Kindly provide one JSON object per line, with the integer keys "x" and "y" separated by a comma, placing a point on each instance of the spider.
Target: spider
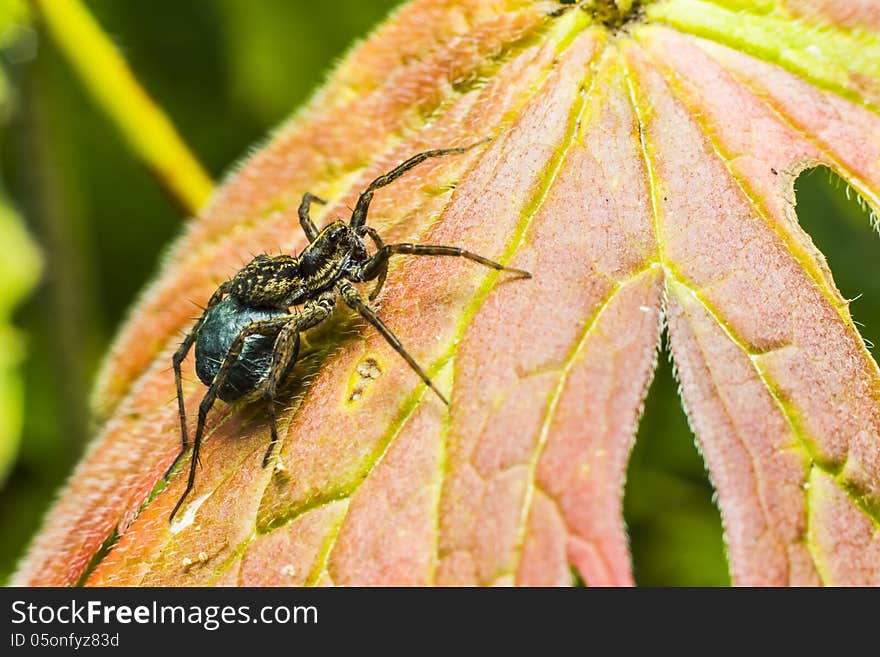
{"x": 247, "y": 339}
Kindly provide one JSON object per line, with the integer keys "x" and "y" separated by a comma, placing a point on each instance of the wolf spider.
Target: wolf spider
{"x": 247, "y": 339}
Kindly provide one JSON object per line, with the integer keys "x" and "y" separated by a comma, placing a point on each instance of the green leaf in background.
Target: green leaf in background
{"x": 13, "y": 14}
{"x": 19, "y": 271}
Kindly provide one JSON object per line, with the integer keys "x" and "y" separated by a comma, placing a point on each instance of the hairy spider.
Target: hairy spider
{"x": 247, "y": 339}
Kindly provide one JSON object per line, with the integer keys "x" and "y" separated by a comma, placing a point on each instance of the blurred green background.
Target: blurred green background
{"x": 227, "y": 72}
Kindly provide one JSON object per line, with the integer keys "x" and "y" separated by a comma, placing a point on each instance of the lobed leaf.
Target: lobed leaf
{"x": 639, "y": 173}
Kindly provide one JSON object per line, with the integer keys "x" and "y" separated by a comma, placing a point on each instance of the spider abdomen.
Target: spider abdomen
{"x": 221, "y": 327}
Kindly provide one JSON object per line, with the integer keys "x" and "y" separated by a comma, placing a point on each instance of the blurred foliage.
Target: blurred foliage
{"x": 227, "y": 72}
{"x": 19, "y": 262}
{"x": 114, "y": 88}
{"x": 19, "y": 269}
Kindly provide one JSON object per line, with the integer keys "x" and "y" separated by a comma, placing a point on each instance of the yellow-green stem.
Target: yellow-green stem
{"x": 103, "y": 71}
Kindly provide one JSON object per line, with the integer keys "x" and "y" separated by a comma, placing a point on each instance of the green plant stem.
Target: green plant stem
{"x": 109, "y": 80}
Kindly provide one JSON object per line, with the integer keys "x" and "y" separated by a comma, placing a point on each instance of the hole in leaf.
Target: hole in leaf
{"x": 674, "y": 526}
{"x": 840, "y": 225}
{"x": 367, "y": 371}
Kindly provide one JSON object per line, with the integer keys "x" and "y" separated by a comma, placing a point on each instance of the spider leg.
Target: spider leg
{"x": 266, "y": 327}
{"x": 177, "y": 360}
{"x": 205, "y": 406}
{"x": 286, "y": 351}
{"x": 377, "y": 265}
{"x": 305, "y": 220}
{"x": 382, "y": 269}
{"x": 284, "y": 354}
{"x": 356, "y": 302}
{"x": 359, "y": 215}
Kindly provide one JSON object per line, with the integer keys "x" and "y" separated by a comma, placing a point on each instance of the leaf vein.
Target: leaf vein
{"x": 590, "y": 328}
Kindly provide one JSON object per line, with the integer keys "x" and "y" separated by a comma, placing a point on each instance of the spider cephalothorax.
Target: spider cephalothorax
{"x": 247, "y": 339}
